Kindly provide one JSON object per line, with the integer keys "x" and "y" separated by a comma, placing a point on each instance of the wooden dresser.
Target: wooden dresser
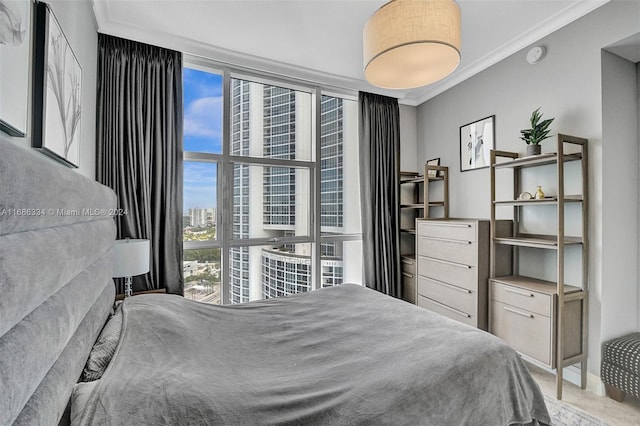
{"x": 453, "y": 268}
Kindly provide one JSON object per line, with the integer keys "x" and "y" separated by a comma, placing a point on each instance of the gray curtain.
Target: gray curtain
{"x": 139, "y": 150}
{"x": 379, "y": 171}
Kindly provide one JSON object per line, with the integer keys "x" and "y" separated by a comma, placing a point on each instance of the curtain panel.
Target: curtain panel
{"x": 139, "y": 150}
{"x": 379, "y": 171}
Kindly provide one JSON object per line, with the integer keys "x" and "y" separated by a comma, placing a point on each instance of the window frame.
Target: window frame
{"x": 225, "y": 163}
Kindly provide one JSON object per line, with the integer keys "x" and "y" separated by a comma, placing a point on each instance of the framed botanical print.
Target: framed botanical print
{"x": 15, "y": 43}
{"x": 57, "y": 104}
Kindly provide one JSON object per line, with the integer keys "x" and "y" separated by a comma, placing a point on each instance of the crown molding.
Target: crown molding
{"x": 414, "y": 97}
{"x": 572, "y": 12}
{"x": 201, "y": 52}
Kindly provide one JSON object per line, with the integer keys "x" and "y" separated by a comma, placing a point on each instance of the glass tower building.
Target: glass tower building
{"x": 265, "y": 123}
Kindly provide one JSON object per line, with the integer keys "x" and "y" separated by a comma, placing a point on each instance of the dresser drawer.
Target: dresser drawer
{"x": 522, "y": 298}
{"x": 449, "y": 272}
{"x": 527, "y": 332}
{"x": 447, "y": 311}
{"x": 458, "y": 251}
{"x": 463, "y": 231}
{"x": 409, "y": 287}
{"x": 455, "y": 297}
{"x": 408, "y": 265}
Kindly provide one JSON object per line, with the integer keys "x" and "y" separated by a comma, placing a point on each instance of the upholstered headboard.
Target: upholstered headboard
{"x": 56, "y": 291}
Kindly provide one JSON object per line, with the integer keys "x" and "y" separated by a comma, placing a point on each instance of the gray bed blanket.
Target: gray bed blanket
{"x": 345, "y": 355}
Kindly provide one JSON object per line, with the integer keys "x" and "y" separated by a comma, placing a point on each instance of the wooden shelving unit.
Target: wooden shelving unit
{"x": 546, "y": 321}
{"x": 441, "y": 175}
{"x": 416, "y": 201}
{"x": 411, "y": 207}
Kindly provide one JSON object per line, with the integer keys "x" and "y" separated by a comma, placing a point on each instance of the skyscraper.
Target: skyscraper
{"x": 274, "y": 122}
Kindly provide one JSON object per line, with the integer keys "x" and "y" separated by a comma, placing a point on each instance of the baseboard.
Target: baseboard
{"x": 572, "y": 375}
{"x": 595, "y": 385}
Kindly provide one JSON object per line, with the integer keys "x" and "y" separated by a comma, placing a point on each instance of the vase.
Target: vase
{"x": 534, "y": 150}
{"x": 539, "y": 194}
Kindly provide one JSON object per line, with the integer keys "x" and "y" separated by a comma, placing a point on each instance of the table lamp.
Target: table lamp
{"x": 132, "y": 258}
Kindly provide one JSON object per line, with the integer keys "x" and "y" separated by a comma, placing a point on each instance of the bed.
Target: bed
{"x": 342, "y": 355}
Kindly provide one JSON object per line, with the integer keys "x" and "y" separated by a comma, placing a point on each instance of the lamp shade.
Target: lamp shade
{"x": 411, "y": 43}
{"x": 132, "y": 257}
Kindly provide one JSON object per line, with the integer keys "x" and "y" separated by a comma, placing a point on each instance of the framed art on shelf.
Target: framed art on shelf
{"x": 15, "y": 43}
{"x": 56, "y": 91}
{"x": 433, "y": 173}
{"x": 477, "y": 139}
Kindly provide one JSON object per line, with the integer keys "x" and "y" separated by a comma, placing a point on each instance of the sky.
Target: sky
{"x": 202, "y": 93}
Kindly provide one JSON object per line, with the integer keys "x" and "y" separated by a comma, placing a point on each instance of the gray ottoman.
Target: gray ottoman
{"x": 620, "y": 366}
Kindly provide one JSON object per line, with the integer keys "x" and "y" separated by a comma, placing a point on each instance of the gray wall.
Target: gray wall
{"x": 567, "y": 84}
{"x": 408, "y": 139}
{"x": 79, "y": 26}
{"x": 619, "y": 197}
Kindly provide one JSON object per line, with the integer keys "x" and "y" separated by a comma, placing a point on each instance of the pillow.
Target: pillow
{"x": 104, "y": 348}
{"x": 79, "y": 398}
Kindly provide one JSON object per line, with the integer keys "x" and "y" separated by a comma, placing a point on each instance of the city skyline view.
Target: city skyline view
{"x": 269, "y": 200}
{"x": 202, "y": 97}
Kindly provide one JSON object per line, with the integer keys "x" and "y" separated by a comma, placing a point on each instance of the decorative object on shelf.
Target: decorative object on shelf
{"x": 539, "y": 193}
{"x": 409, "y": 44}
{"x": 538, "y": 132}
{"x": 525, "y": 196}
{"x": 477, "y": 139}
{"x": 132, "y": 258}
{"x": 57, "y": 81}
{"x": 433, "y": 173}
{"x": 15, "y": 43}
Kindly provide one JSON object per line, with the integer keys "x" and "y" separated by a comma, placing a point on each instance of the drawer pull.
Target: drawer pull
{"x": 519, "y": 292}
{"x": 408, "y": 275}
{"x": 452, "y": 287}
{"x": 449, "y": 224}
{"x": 455, "y": 311}
{"x": 514, "y": 311}
{"x": 447, "y": 240}
{"x": 446, "y": 262}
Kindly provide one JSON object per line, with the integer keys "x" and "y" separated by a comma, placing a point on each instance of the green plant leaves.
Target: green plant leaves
{"x": 539, "y": 130}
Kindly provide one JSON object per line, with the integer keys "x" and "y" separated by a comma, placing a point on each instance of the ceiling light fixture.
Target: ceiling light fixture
{"x": 411, "y": 43}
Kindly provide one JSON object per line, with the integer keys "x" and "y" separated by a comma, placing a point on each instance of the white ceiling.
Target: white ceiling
{"x": 321, "y": 40}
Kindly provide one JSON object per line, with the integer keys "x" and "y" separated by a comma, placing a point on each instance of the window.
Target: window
{"x": 260, "y": 241}
{"x": 202, "y": 97}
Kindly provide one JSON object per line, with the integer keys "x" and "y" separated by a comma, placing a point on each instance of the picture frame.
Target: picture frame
{"x": 433, "y": 173}
{"x": 57, "y": 84}
{"x": 477, "y": 139}
{"x": 15, "y": 50}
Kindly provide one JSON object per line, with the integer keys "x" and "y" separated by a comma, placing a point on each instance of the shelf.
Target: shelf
{"x": 537, "y": 241}
{"x": 408, "y": 230}
{"x": 412, "y": 206}
{"x": 537, "y": 160}
{"x": 418, "y": 179}
{"x": 408, "y": 174}
{"x": 436, "y": 203}
{"x": 533, "y": 284}
{"x": 408, "y": 258}
{"x": 547, "y": 201}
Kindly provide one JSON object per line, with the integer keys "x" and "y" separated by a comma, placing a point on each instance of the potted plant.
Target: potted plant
{"x": 538, "y": 132}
